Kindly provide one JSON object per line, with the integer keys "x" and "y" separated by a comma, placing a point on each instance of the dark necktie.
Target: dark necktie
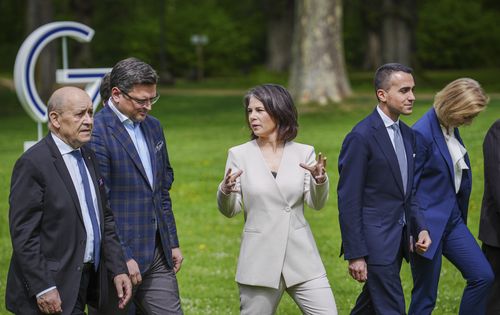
{"x": 399, "y": 147}
{"x": 90, "y": 206}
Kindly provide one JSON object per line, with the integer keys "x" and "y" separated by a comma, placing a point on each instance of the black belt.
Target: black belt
{"x": 88, "y": 266}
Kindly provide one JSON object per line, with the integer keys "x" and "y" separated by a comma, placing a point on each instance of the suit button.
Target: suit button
{"x": 153, "y": 220}
{"x": 287, "y": 209}
{"x": 79, "y": 268}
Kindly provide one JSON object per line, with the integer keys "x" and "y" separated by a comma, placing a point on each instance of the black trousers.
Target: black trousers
{"x": 493, "y": 256}
{"x": 87, "y": 281}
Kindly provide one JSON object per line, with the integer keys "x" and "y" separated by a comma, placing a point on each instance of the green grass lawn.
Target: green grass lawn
{"x": 199, "y": 130}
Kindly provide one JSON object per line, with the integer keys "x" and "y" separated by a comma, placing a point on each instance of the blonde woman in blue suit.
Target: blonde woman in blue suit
{"x": 269, "y": 179}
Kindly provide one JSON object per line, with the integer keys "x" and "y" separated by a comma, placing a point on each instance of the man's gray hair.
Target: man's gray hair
{"x": 132, "y": 71}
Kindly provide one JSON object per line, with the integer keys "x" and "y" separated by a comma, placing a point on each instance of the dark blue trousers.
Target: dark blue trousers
{"x": 461, "y": 249}
{"x": 382, "y": 293}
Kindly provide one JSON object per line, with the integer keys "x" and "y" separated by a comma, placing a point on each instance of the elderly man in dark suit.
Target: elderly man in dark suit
{"x": 132, "y": 153}
{"x": 378, "y": 217}
{"x": 63, "y": 233}
{"x": 489, "y": 226}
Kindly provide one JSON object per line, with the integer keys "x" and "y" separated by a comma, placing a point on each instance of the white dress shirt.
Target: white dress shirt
{"x": 72, "y": 166}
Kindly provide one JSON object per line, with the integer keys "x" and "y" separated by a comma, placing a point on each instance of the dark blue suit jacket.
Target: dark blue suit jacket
{"x": 434, "y": 178}
{"x": 138, "y": 208}
{"x": 371, "y": 199}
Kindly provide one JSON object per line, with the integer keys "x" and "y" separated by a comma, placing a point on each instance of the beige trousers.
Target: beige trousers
{"x": 314, "y": 297}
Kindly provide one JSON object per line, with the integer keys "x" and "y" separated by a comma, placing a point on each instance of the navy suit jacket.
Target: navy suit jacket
{"x": 489, "y": 226}
{"x": 371, "y": 197}
{"x": 48, "y": 234}
{"x": 434, "y": 178}
{"x": 140, "y": 210}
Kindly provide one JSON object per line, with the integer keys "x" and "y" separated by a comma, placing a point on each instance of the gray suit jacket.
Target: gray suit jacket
{"x": 276, "y": 239}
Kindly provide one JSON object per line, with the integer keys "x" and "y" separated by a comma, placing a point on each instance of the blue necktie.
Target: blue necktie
{"x": 399, "y": 147}
{"x": 90, "y": 206}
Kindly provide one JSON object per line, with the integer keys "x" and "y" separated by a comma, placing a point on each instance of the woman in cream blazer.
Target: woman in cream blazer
{"x": 269, "y": 179}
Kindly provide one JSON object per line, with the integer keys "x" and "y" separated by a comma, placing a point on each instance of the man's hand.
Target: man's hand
{"x": 177, "y": 258}
{"x": 134, "y": 272}
{"x": 50, "y": 302}
{"x": 358, "y": 269}
{"x": 423, "y": 243}
{"x": 123, "y": 289}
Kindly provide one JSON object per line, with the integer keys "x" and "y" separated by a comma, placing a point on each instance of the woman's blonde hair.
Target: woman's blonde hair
{"x": 460, "y": 99}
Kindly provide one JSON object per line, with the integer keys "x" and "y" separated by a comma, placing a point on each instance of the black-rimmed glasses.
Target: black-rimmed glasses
{"x": 142, "y": 102}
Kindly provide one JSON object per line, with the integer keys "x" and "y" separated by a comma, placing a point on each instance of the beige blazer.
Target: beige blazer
{"x": 276, "y": 240}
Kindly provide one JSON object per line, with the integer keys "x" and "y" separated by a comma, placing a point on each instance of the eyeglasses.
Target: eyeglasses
{"x": 142, "y": 102}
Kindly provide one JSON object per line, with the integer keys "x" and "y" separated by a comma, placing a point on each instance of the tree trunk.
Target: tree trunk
{"x": 82, "y": 56}
{"x": 279, "y": 34}
{"x": 38, "y": 14}
{"x": 373, "y": 53}
{"x": 166, "y": 77}
{"x": 398, "y": 31}
{"x": 318, "y": 72}
{"x": 371, "y": 15}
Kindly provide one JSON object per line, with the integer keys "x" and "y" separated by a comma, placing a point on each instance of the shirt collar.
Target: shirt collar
{"x": 447, "y": 132}
{"x": 121, "y": 117}
{"x": 62, "y": 146}
{"x": 386, "y": 119}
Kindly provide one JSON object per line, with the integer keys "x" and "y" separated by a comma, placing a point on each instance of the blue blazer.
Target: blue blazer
{"x": 139, "y": 209}
{"x": 371, "y": 198}
{"x": 434, "y": 178}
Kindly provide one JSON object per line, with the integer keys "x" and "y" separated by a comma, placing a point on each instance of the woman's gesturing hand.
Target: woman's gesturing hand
{"x": 318, "y": 170}
{"x": 229, "y": 184}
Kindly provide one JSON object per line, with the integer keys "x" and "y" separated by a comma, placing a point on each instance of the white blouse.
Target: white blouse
{"x": 457, "y": 153}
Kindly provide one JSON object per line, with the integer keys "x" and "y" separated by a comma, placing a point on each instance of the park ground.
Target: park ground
{"x": 201, "y": 122}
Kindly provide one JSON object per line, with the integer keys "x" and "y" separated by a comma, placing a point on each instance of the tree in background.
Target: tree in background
{"x": 245, "y": 35}
{"x": 83, "y": 11}
{"x": 279, "y": 14}
{"x": 318, "y": 72}
{"x": 38, "y": 14}
{"x": 398, "y": 21}
{"x": 371, "y": 17}
{"x": 458, "y": 34}
{"x": 166, "y": 76}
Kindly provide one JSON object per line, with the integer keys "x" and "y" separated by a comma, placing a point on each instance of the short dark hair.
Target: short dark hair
{"x": 132, "y": 71}
{"x": 384, "y": 72}
{"x": 279, "y": 105}
{"x": 105, "y": 88}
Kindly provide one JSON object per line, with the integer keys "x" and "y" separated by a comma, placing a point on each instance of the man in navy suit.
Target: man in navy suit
{"x": 379, "y": 220}
{"x": 132, "y": 153}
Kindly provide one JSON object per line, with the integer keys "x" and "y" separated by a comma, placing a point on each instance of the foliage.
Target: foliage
{"x": 12, "y": 34}
{"x": 450, "y": 33}
{"x": 457, "y": 34}
{"x": 232, "y": 35}
{"x": 200, "y": 127}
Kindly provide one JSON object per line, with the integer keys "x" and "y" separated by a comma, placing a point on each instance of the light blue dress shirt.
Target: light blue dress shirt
{"x": 137, "y": 136}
